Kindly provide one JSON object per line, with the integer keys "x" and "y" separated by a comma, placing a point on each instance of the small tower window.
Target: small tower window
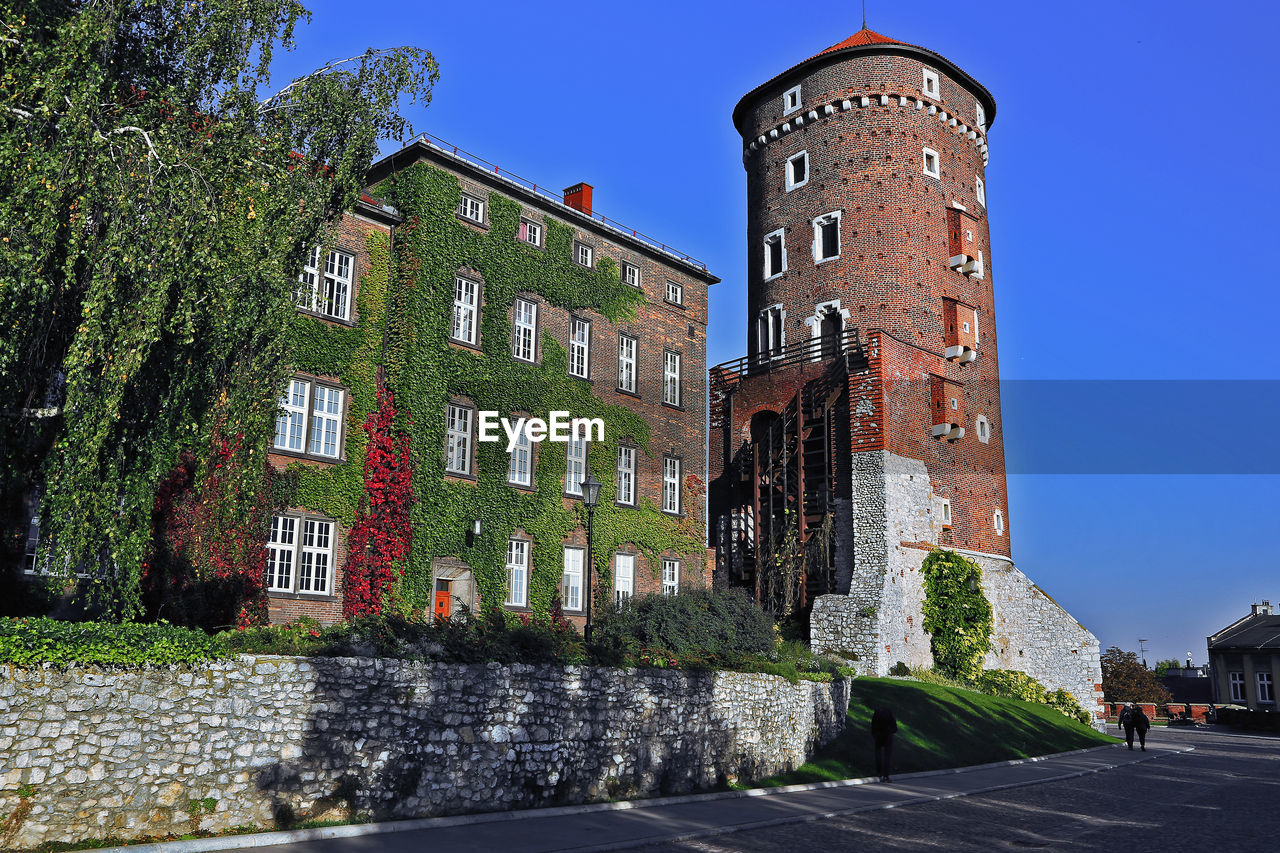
{"x": 981, "y": 114}
{"x": 791, "y": 100}
{"x": 826, "y": 237}
{"x": 775, "y": 255}
{"x": 997, "y": 519}
{"x": 797, "y": 170}
{"x": 931, "y": 87}
{"x": 770, "y": 333}
{"x": 932, "y": 166}
{"x": 981, "y": 190}
{"x": 984, "y": 429}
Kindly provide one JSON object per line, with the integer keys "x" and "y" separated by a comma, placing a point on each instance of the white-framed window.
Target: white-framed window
{"x": 466, "y": 295}
{"x": 671, "y": 485}
{"x": 517, "y": 572}
{"x": 944, "y": 511}
{"x": 671, "y": 378}
{"x": 457, "y": 440}
{"x": 326, "y": 422}
{"x": 980, "y": 189}
{"x": 520, "y": 469}
{"x": 300, "y": 555}
{"x": 797, "y": 170}
{"x": 983, "y": 427}
{"x": 670, "y": 577}
{"x": 624, "y": 577}
{"x": 524, "y": 337}
{"x": 471, "y": 208}
{"x": 775, "y": 254}
{"x": 310, "y": 419}
{"x": 770, "y": 332}
{"x": 675, "y": 292}
{"x": 997, "y": 521}
{"x": 530, "y": 232}
{"x": 579, "y": 348}
{"x": 931, "y": 164}
{"x": 627, "y": 475}
{"x": 291, "y": 424}
{"x": 575, "y": 466}
{"x": 627, "y": 363}
{"x": 571, "y": 583}
{"x": 630, "y": 274}
{"x": 791, "y": 100}
{"x": 1266, "y": 687}
{"x": 980, "y": 117}
{"x": 583, "y": 255}
{"x": 826, "y": 237}
{"x": 327, "y": 294}
{"x": 1237, "y": 687}
{"x": 930, "y": 86}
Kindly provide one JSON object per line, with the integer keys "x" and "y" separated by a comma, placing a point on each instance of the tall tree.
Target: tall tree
{"x": 1125, "y": 679}
{"x": 156, "y": 211}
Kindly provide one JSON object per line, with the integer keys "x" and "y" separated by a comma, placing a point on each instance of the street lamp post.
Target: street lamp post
{"x": 590, "y": 496}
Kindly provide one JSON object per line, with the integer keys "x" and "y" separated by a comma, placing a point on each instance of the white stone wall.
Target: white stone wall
{"x": 879, "y": 621}
{"x": 267, "y": 740}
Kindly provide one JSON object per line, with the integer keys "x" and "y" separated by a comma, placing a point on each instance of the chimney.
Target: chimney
{"x": 1263, "y": 609}
{"x": 578, "y": 197}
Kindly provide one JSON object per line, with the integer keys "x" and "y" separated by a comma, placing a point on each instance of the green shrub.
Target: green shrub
{"x": 1010, "y": 684}
{"x": 31, "y": 642}
{"x": 899, "y": 670}
{"x": 714, "y": 624}
{"x": 956, "y": 614}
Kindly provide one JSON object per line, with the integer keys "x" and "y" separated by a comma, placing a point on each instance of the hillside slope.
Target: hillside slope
{"x": 940, "y": 727}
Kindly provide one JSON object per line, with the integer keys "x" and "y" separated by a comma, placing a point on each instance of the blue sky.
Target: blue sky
{"x": 1132, "y": 190}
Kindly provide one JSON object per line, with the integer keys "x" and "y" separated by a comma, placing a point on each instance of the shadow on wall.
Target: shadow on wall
{"x": 388, "y": 740}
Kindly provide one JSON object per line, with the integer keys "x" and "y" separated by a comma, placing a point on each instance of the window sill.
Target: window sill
{"x": 455, "y": 477}
{"x": 464, "y": 345}
{"x": 581, "y": 378}
{"x": 679, "y": 305}
{"x": 473, "y": 223}
{"x": 775, "y": 276}
{"x": 621, "y": 505}
{"x": 676, "y": 406}
{"x": 521, "y": 487}
{"x": 821, "y": 261}
{"x": 328, "y": 318}
{"x": 308, "y": 457}
{"x": 626, "y": 393}
{"x": 301, "y": 596}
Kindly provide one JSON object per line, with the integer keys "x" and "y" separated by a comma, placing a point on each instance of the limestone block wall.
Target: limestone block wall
{"x": 268, "y": 740}
{"x": 879, "y": 621}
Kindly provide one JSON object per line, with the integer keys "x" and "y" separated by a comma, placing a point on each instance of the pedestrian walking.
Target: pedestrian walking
{"x": 883, "y": 725}
{"x": 1134, "y": 719}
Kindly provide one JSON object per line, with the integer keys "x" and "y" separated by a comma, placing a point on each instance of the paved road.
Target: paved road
{"x": 1196, "y": 790}
{"x": 1224, "y": 795}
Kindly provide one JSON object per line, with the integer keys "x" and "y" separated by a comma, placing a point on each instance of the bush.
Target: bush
{"x": 1011, "y": 684}
{"x": 710, "y": 625}
{"x": 31, "y": 642}
{"x": 899, "y": 670}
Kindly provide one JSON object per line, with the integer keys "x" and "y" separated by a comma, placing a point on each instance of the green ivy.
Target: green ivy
{"x": 956, "y": 614}
{"x": 426, "y": 371}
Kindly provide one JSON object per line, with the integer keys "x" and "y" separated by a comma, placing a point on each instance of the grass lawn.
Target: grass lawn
{"x": 939, "y": 727}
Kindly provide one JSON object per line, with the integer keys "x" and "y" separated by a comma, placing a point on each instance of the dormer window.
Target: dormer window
{"x": 791, "y": 100}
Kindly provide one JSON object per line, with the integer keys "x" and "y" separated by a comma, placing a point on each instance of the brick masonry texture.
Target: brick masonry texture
{"x": 132, "y": 754}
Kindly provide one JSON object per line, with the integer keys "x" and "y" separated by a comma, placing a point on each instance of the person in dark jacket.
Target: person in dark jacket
{"x": 883, "y": 725}
{"x": 1133, "y": 719}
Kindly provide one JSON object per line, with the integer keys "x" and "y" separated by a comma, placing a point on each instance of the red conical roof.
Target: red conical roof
{"x": 861, "y": 37}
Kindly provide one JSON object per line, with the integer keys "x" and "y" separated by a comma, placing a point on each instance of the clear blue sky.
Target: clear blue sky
{"x": 1133, "y": 194}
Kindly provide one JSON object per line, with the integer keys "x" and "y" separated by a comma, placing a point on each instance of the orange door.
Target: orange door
{"x": 443, "y": 598}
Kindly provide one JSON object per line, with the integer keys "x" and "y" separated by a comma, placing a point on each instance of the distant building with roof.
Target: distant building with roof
{"x": 1244, "y": 659}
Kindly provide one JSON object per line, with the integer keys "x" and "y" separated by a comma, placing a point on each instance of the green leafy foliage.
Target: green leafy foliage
{"x": 710, "y": 623}
{"x": 956, "y": 614}
{"x": 427, "y": 372}
{"x": 31, "y": 642}
{"x": 157, "y": 209}
{"x": 1125, "y": 679}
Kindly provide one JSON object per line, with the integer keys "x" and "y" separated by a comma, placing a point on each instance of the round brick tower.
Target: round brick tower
{"x": 867, "y": 211}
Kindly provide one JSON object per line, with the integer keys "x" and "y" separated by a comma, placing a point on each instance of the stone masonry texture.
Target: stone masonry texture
{"x": 266, "y": 741}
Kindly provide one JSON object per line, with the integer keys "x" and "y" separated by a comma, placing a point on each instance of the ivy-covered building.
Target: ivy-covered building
{"x": 460, "y": 290}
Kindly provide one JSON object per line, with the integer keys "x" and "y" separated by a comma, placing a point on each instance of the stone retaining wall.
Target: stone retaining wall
{"x": 270, "y": 740}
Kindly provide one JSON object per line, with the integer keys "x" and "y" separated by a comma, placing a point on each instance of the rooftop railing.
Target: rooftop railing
{"x": 557, "y": 197}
